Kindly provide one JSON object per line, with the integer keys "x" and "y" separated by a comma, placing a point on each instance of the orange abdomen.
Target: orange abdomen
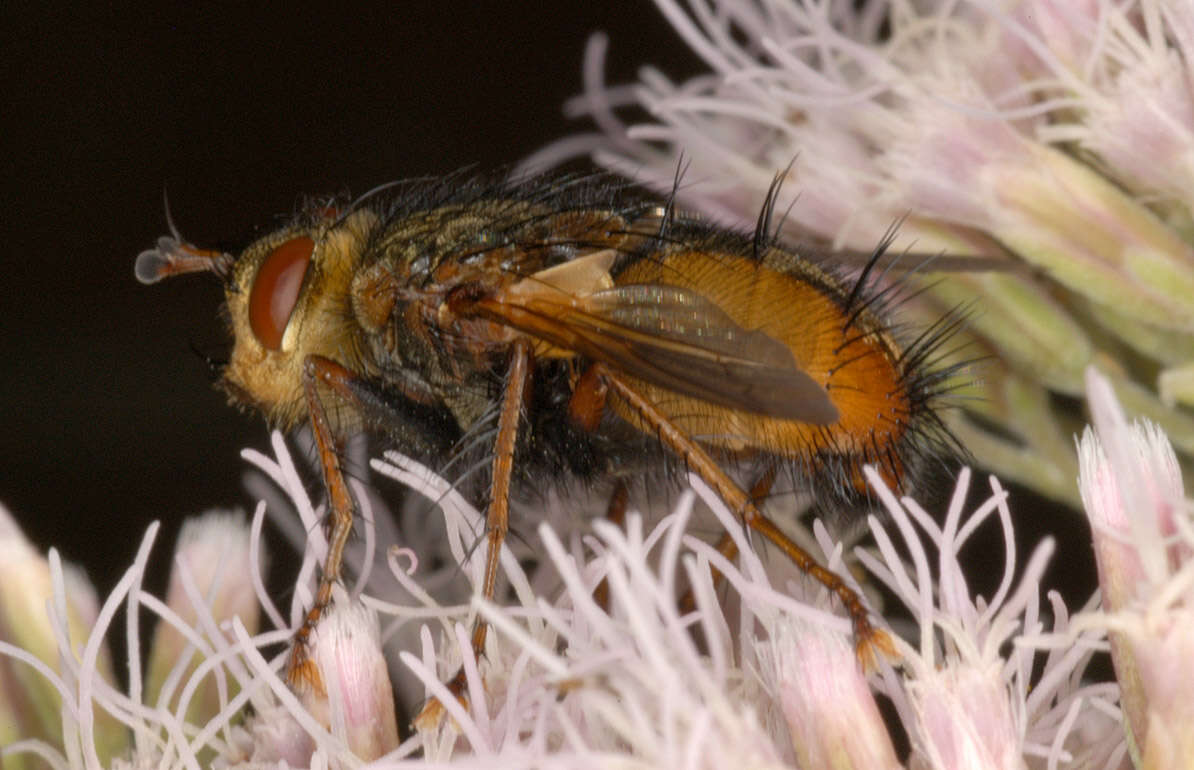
{"x": 851, "y": 357}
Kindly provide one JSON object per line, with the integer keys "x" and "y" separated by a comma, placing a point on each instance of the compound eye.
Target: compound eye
{"x": 276, "y": 288}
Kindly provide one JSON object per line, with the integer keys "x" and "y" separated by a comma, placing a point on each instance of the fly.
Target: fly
{"x": 588, "y": 329}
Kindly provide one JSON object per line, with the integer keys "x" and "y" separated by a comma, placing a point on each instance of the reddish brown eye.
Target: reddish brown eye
{"x": 276, "y": 289}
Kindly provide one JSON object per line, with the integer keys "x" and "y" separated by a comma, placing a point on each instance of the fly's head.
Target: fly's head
{"x": 287, "y": 297}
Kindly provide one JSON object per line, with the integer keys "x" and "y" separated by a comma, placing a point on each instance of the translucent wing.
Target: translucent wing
{"x": 669, "y": 336}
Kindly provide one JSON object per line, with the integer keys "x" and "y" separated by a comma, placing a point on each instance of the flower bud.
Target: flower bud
{"x": 213, "y": 549}
{"x": 358, "y": 702}
{"x": 30, "y": 706}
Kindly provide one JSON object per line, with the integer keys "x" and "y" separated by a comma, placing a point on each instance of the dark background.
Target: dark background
{"x": 107, "y": 417}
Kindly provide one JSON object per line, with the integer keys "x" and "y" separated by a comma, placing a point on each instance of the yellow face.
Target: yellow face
{"x": 289, "y": 298}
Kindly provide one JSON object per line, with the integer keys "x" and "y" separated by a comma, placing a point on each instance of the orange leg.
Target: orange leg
{"x": 300, "y": 670}
{"x": 615, "y": 513}
{"x": 867, "y": 638}
{"x": 726, "y": 545}
{"x": 587, "y": 404}
{"x": 585, "y": 408}
{"x": 497, "y": 515}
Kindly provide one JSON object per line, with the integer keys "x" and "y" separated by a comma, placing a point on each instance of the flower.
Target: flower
{"x": 1143, "y": 531}
{"x": 46, "y": 655}
{"x": 763, "y": 677}
{"x": 759, "y": 673}
{"x": 980, "y": 686}
{"x": 208, "y": 695}
{"x": 211, "y": 581}
{"x": 1057, "y": 133}
{"x": 359, "y": 702}
{"x": 827, "y": 703}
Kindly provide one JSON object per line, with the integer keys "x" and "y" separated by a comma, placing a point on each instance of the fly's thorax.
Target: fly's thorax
{"x": 289, "y": 298}
{"x": 421, "y": 350}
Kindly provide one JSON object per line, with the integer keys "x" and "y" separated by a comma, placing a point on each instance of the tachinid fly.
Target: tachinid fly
{"x": 585, "y": 330}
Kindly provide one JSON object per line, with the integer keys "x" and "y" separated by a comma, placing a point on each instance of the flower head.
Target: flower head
{"x": 1144, "y": 545}
{"x": 760, "y": 672}
{"x": 359, "y": 702}
{"x": 829, "y": 707}
{"x": 46, "y": 610}
{"x": 765, "y": 676}
{"x": 982, "y": 689}
{"x": 212, "y": 582}
{"x": 1058, "y": 133}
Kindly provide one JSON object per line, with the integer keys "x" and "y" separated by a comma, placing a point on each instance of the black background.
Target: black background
{"x": 107, "y": 417}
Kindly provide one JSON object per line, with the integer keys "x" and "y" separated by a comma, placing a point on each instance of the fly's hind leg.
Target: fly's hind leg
{"x": 726, "y": 545}
{"x": 615, "y": 513}
{"x": 869, "y": 641}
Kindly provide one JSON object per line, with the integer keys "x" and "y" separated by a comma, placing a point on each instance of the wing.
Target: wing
{"x": 665, "y": 335}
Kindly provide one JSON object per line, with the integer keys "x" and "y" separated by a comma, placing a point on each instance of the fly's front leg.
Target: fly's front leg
{"x": 301, "y": 671}
{"x": 497, "y": 515}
